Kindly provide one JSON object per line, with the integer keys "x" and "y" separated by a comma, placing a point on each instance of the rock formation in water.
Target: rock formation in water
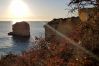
{"x": 20, "y": 29}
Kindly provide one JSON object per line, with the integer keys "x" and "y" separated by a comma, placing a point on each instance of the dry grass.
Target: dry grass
{"x": 53, "y": 54}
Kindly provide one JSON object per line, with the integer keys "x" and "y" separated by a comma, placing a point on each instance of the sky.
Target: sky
{"x": 33, "y": 9}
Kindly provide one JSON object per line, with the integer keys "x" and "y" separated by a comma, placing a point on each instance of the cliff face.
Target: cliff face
{"x": 87, "y": 14}
{"x": 48, "y": 32}
{"x": 64, "y": 26}
{"x": 84, "y": 30}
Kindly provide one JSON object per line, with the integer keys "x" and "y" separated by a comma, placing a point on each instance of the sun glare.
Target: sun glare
{"x": 19, "y": 9}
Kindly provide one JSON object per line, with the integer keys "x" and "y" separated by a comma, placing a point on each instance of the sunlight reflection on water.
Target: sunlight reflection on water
{"x": 14, "y": 45}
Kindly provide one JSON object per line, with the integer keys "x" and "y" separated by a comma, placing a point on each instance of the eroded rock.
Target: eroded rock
{"x": 20, "y": 29}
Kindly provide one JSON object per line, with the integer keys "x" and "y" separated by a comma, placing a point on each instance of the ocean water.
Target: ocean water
{"x": 8, "y": 44}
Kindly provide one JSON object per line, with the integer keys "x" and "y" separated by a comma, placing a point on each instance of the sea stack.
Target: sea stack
{"x": 20, "y": 29}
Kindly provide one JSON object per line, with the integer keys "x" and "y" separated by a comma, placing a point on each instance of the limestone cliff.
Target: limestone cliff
{"x": 86, "y": 53}
{"x": 63, "y": 25}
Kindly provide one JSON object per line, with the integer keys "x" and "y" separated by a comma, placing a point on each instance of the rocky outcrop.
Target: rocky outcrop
{"x": 66, "y": 25}
{"x": 20, "y": 29}
{"x": 62, "y": 25}
{"x": 87, "y": 14}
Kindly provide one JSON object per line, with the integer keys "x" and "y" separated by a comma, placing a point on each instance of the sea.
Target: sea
{"x": 8, "y": 44}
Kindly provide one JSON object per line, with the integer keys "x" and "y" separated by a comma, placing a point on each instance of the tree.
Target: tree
{"x": 93, "y": 2}
{"x": 76, "y": 4}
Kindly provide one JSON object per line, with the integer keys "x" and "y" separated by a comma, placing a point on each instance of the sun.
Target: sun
{"x": 19, "y": 9}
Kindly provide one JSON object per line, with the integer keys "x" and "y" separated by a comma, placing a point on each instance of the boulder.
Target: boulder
{"x": 20, "y": 29}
